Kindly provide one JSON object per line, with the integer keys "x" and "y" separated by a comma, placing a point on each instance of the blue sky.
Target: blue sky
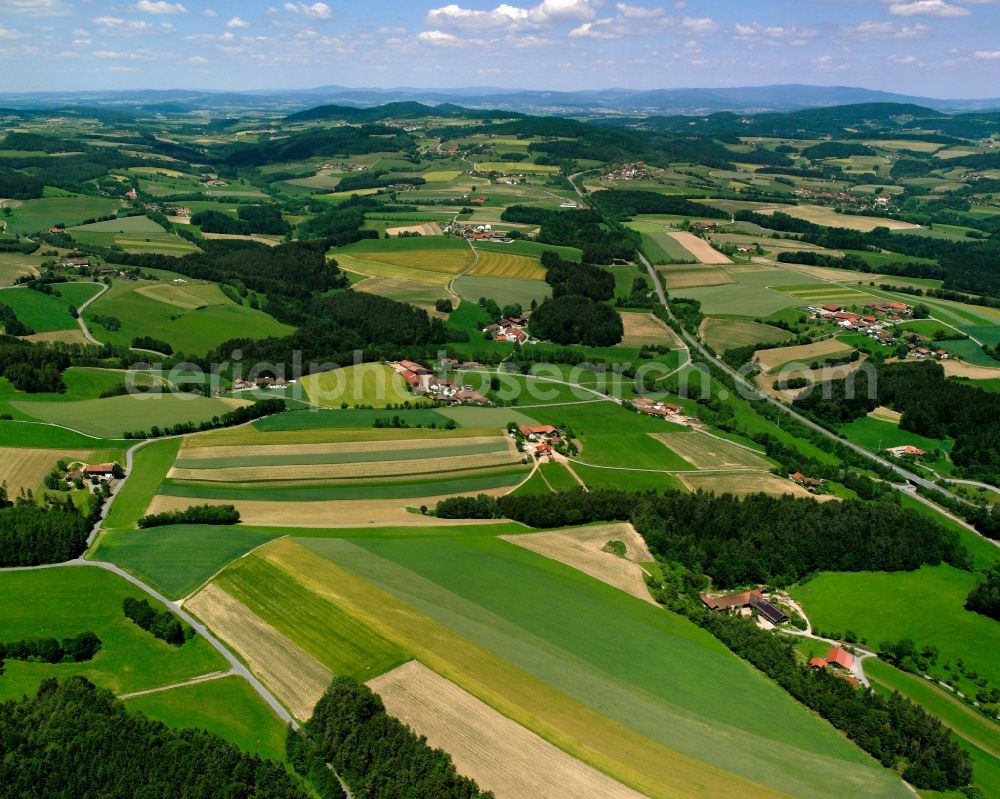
{"x": 943, "y": 48}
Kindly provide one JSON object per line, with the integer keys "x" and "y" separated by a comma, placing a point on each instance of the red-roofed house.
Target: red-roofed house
{"x": 731, "y": 601}
{"x": 414, "y": 367}
{"x": 818, "y": 663}
{"x": 838, "y": 657}
{"x": 538, "y": 430}
{"x": 832, "y": 307}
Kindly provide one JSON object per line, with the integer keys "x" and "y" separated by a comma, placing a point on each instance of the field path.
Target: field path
{"x": 79, "y": 314}
{"x": 215, "y": 675}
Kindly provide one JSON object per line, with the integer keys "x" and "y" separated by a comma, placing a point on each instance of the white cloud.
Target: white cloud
{"x": 886, "y": 30}
{"x": 903, "y": 60}
{"x": 700, "y": 25}
{"x": 314, "y": 11}
{"x": 508, "y": 16}
{"x": 639, "y": 12}
{"x": 440, "y": 39}
{"x": 159, "y": 7}
{"x": 119, "y": 25}
{"x": 599, "y": 29}
{"x": 34, "y": 8}
{"x": 208, "y": 12}
{"x": 773, "y": 34}
{"x": 823, "y": 61}
{"x": 927, "y": 8}
{"x": 198, "y": 59}
{"x": 8, "y": 34}
{"x": 988, "y": 55}
{"x": 237, "y": 22}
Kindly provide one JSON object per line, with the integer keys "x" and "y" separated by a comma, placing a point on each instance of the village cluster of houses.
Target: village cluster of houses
{"x": 539, "y": 439}
{"x": 422, "y": 382}
{"x": 636, "y": 171}
{"x": 663, "y": 410}
{"x": 278, "y": 383}
{"x": 511, "y": 329}
{"x": 859, "y": 202}
{"x": 873, "y": 324}
{"x": 484, "y": 232}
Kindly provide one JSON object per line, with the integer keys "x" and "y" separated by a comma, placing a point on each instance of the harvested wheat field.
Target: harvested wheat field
{"x": 584, "y": 549}
{"x": 884, "y": 414}
{"x": 449, "y": 260}
{"x": 330, "y": 513}
{"x": 270, "y": 241}
{"x": 266, "y": 451}
{"x": 333, "y": 471}
{"x": 73, "y": 336}
{"x": 644, "y": 328}
{"x": 297, "y": 679}
{"x": 25, "y": 468}
{"x": 688, "y": 277}
{"x": 820, "y": 215}
{"x": 498, "y": 753}
{"x": 426, "y": 229}
{"x": 742, "y": 483}
{"x": 803, "y": 353}
{"x": 707, "y": 452}
{"x": 963, "y": 369}
{"x": 699, "y": 248}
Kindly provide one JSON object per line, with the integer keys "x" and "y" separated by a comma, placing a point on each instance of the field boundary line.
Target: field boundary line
{"x": 215, "y": 675}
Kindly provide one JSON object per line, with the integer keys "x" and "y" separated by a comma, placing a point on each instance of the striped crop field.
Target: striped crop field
{"x": 495, "y": 264}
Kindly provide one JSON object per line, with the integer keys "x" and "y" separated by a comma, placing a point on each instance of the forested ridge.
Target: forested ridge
{"x": 74, "y": 740}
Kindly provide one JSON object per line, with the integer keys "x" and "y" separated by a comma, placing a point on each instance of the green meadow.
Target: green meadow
{"x": 47, "y": 313}
{"x": 66, "y": 601}
{"x": 150, "y": 465}
{"x": 34, "y": 216}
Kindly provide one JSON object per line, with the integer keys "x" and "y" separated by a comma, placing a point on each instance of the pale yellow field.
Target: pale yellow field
{"x": 687, "y": 277}
{"x": 192, "y": 453}
{"x": 449, "y": 261}
{"x": 333, "y": 471}
{"x": 497, "y": 264}
{"x": 583, "y": 549}
{"x": 644, "y": 328}
{"x": 705, "y": 452}
{"x": 699, "y": 248}
{"x": 498, "y": 753}
{"x": 515, "y": 167}
{"x": 25, "y": 468}
{"x": 743, "y": 483}
{"x": 247, "y": 435}
{"x": 296, "y": 678}
{"x": 884, "y": 414}
{"x": 331, "y": 513}
{"x": 425, "y": 229}
{"x": 804, "y": 353}
{"x": 270, "y": 241}
{"x": 157, "y": 170}
{"x": 819, "y": 215}
{"x": 963, "y": 369}
{"x": 380, "y": 269}
{"x": 184, "y": 296}
{"x": 74, "y": 336}
{"x": 441, "y": 175}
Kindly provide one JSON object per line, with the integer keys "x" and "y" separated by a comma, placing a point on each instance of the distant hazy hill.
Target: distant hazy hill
{"x": 397, "y": 110}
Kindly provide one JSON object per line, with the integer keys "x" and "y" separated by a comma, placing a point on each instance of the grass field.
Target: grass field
{"x": 773, "y": 359}
{"x": 34, "y": 216}
{"x": 925, "y": 605}
{"x": 754, "y": 294}
{"x": 25, "y": 468}
{"x": 562, "y": 629}
{"x": 724, "y": 334}
{"x": 46, "y": 313}
{"x": 144, "y": 306}
{"x": 13, "y": 265}
{"x": 373, "y": 384}
{"x": 502, "y": 290}
{"x": 448, "y": 261}
{"x": 515, "y": 167}
{"x": 818, "y": 294}
{"x": 150, "y": 465}
{"x": 741, "y": 483}
{"x": 644, "y": 328}
{"x": 878, "y": 434}
{"x": 126, "y": 224}
{"x": 684, "y": 277}
{"x": 114, "y": 416}
{"x": 530, "y": 249}
{"x": 130, "y": 659}
{"x": 228, "y": 707}
{"x": 707, "y": 452}
{"x": 495, "y": 264}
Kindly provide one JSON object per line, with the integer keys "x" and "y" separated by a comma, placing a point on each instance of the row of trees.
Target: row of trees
{"x": 12, "y": 326}
{"x": 77, "y": 649}
{"x": 72, "y": 739}
{"x": 195, "y": 514}
{"x": 377, "y": 755}
{"x": 161, "y": 624}
{"x": 237, "y": 416}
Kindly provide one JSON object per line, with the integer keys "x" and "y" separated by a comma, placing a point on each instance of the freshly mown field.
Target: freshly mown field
{"x": 819, "y": 294}
{"x": 13, "y": 265}
{"x": 503, "y": 265}
{"x": 700, "y": 249}
{"x": 644, "y": 328}
{"x": 125, "y": 224}
{"x": 724, "y": 334}
{"x": 373, "y": 384}
{"x": 502, "y": 290}
{"x": 228, "y": 707}
{"x": 684, "y": 277}
{"x": 773, "y": 359}
{"x": 70, "y": 600}
{"x": 25, "y": 468}
{"x": 46, "y": 313}
{"x": 582, "y": 664}
{"x": 114, "y": 416}
{"x": 741, "y": 483}
{"x": 165, "y": 312}
{"x": 707, "y": 452}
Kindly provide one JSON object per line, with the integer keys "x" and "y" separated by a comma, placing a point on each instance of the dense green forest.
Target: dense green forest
{"x": 985, "y": 597}
{"x": 377, "y": 756}
{"x": 739, "y": 541}
{"x": 582, "y": 279}
{"x": 74, "y": 740}
{"x": 160, "y": 623}
{"x": 32, "y": 534}
{"x": 572, "y": 319}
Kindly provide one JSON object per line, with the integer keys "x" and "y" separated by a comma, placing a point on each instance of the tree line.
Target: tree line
{"x": 237, "y": 416}
{"x": 624, "y": 203}
{"x": 985, "y": 596}
{"x": 161, "y": 624}
{"x": 377, "y": 755}
{"x": 78, "y": 649}
{"x": 73, "y": 739}
{"x": 195, "y": 514}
